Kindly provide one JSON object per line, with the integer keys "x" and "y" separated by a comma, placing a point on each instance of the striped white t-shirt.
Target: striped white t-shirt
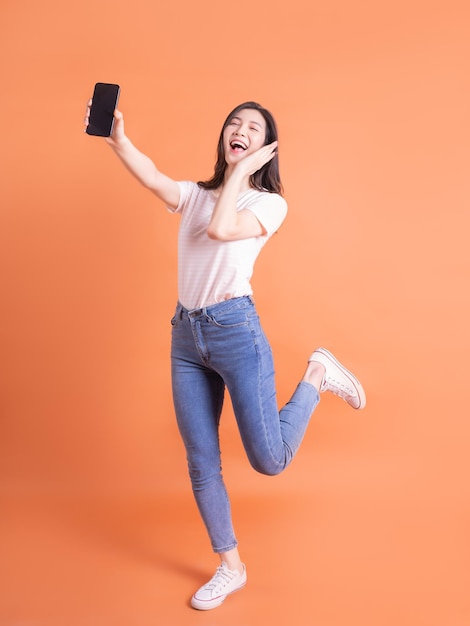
{"x": 211, "y": 271}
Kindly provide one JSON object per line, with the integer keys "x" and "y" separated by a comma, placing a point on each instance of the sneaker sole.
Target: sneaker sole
{"x": 200, "y": 605}
{"x": 360, "y": 390}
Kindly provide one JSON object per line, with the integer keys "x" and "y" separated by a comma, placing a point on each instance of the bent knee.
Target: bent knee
{"x": 268, "y": 468}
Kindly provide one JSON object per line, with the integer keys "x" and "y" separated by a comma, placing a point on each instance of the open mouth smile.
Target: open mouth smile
{"x": 238, "y": 146}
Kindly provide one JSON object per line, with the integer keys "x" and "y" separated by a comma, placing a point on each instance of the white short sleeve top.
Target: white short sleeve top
{"x": 210, "y": 271}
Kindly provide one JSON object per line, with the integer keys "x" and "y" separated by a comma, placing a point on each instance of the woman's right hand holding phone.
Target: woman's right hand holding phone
{"x": 117, "y": 133}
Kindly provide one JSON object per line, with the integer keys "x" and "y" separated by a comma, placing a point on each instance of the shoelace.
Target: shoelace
{"x": 338, "y": 388}
{"x": 221, "y": 578}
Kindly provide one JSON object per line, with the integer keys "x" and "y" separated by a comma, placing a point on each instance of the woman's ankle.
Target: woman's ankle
{"x": 232, "y": 560}
{"x": 314, "y": 374}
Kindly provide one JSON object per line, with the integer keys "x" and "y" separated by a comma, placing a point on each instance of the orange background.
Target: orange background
{"x": 370, "y": 525}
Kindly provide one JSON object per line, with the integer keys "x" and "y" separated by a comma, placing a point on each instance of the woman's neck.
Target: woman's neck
{"x": 244, "y": 184}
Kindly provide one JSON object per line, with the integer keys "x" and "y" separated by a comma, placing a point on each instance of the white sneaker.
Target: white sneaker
{"x": 224, "y": 582}
{"x": 339, "y": 380}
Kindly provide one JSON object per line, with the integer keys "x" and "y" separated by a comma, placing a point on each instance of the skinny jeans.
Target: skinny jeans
{"x": 223, "y": 346}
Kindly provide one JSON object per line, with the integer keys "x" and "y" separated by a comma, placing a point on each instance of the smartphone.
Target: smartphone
{"x": 105, "y": 99}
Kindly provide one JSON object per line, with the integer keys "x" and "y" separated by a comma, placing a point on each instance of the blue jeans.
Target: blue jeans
{"x": 220, "y": 346}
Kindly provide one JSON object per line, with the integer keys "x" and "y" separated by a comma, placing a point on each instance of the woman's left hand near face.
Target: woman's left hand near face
{"x": 255, "y": 161}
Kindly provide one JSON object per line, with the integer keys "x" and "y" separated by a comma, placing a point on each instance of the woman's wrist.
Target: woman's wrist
{"x": 119, "y": 144}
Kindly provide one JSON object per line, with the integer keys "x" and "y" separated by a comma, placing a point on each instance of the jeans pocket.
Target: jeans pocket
{"x": 230, "y": 318}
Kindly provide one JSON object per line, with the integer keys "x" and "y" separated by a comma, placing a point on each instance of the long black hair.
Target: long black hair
{"x": 265, "y": 179}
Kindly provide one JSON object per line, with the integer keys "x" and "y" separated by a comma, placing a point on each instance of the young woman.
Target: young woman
{"x": 217, "y": 339}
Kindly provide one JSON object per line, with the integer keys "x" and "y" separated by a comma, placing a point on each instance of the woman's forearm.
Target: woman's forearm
{"x": 146, "y": 172}
{"x": 225, "y": 218}
{"x": 138, "y": 164}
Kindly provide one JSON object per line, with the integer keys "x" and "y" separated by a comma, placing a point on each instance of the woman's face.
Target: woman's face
{"x": 244, "y": 134}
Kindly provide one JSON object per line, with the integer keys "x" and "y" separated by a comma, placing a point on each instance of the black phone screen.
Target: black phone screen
{"x": 105, "y": 99}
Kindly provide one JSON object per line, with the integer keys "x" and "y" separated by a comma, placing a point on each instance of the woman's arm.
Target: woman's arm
{"x": 228, "y": 224}
{"x": 140, "y": 165}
